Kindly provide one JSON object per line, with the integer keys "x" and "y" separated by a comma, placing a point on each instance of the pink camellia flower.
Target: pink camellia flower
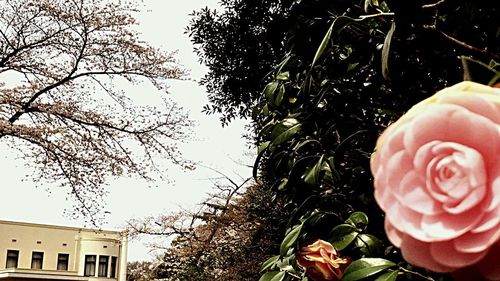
{"x": 321, "y": 261}
{"x": 437, "y": 177}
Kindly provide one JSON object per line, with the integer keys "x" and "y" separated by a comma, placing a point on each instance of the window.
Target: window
{"x": 37, "y": 260}
{"x": 12, "y": 258}
{"x": 62, "y": 261}
{"x": 89, "y": 265}
{"x": 103, "y": 266}
{"x": 112, "y": 274}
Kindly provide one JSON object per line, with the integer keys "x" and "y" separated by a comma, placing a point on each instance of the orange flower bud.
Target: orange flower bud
{"x": 321, "y": 261}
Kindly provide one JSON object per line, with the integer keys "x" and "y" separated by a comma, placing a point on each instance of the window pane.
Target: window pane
{"x": 113, "y": 268}
{"x": 12, "y": 257}
{"x": 90, "y": 265}
{"x": 37, "y": 260}
{"x": 103, "y": 266}
{"x": 62, "y": 261}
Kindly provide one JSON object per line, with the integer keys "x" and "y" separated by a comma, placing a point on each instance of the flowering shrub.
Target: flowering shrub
{"x": 437, "y": 177}
{"x": 322, "y": 262}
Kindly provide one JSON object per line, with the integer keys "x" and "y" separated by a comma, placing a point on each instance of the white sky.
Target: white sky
{"x": 162, "y": 24}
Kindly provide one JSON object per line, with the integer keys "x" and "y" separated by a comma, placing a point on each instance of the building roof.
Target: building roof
{"x": 79, "y": 229}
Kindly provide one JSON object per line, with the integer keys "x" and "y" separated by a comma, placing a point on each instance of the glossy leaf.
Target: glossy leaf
{"x": 279, "y": 97}
{"x": 365, "y": 267}
{"x": 388, "y": 276}
{"x": 386, "y": 50}
{"x": 312, "y": 176}
{"x": 367, "y": 243}
{"x": 358, "y": 219}
{"x": 273, "y": 276}
{"x": 323, "y": 45}
{"x": 270, "y": 89}
{"x": 342, "y": 229}
{"x": 283, "y": 76}
{"x": 282, "y": 184}
{"x": 262, "y": 147}
{"x": 290, "y": 239}
{"x": 269, "y": 263}
{"x": 284, "y": 131}
{"x": 345, "y": 241}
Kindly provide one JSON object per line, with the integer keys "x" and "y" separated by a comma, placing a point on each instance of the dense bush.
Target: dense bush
{"x": 347, "y": 69}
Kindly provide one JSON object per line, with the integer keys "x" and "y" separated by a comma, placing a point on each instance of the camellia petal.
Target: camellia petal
{"x": 476, "y": 242}
{"x": 415, "y": 196}
{"x": 418, "y": 253}
{"x": 445, "y": 226}
{"x": 437, "y": 177}
{"x": 447, "y": 255}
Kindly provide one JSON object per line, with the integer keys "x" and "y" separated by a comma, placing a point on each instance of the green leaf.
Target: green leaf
{"x": 367, "y": 243}
{"x": 283, "y": 76}
{"x": 260, "y": 152}
{"x": 273, "y": 276}
{"x": 262, "y": 147}
{"x": 290, "y": 239}
{"x": 279, "y": 97}
{"x": 358, "y": 219}
{"x": 303, "y": 143}
{"x": 323, "y": 44}
{"x": 269, "y": 263}
{"x": 344, "y": 241}
{"x": 270, "y": 89}
{"x": 312, "y": 176}
{"x": 265, "y": 110}
{"x": 388, "y": 276}
{"x": 342, "y": 229}
{"x": 365, "y": 267}
{"x": 285, "y": 130}
{"x": 283, "y": 184}
{"x": 279, "y": 276}
{"x": 386, "y": 50}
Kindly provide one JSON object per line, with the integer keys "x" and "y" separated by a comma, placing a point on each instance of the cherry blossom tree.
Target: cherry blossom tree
{"x": 63, "y": 64}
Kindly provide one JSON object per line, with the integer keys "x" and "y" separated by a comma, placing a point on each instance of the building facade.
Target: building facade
{"x": 31, "y": 252}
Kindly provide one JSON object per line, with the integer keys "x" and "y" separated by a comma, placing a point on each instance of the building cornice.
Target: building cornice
{"x": 79, "y": 229}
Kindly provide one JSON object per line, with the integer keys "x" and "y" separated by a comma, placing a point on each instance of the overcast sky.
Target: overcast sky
{"x": 162, "y": 24}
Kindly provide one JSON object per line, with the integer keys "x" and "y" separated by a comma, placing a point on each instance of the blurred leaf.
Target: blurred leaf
{"x": 263, "y": 146}
{"x": 282, "y": 184}
{"x": 358, "y": 219}
{"x": 367, "y": 243}
{"x": 270, "y": 89}
{"x": 269, "y": 263}
{"x": 342, "y": 229}
{"x": 290, "y": 239}
{"x": 388, "y": 276}
{"x": 386, "y": 51}
{"x": 273, "y": 276}
{"x": 365, "y": 267}
{"x": 323, "y": 44}
{"x": 283, "y": 76}
{"x": 279, "y": 97}
{"x": 344, "y": 241}
{"x": 285, "y": 130}
{"x": 312, "y": 176}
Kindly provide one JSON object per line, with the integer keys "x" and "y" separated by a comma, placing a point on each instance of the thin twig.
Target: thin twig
{"x": 463, "y": 44}
{"x": 428, "y": 6}
{"x": 417, "y": 274}
{"x": 376, "y": 16}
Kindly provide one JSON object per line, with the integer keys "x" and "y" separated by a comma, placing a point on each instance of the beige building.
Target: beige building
{"x": 46, "y": 252}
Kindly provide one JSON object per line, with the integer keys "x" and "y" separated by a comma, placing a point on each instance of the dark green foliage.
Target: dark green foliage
{"x": 346, "y": 70}
{"x": 240, "y": 46}
{"x": 344, "y": 77}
